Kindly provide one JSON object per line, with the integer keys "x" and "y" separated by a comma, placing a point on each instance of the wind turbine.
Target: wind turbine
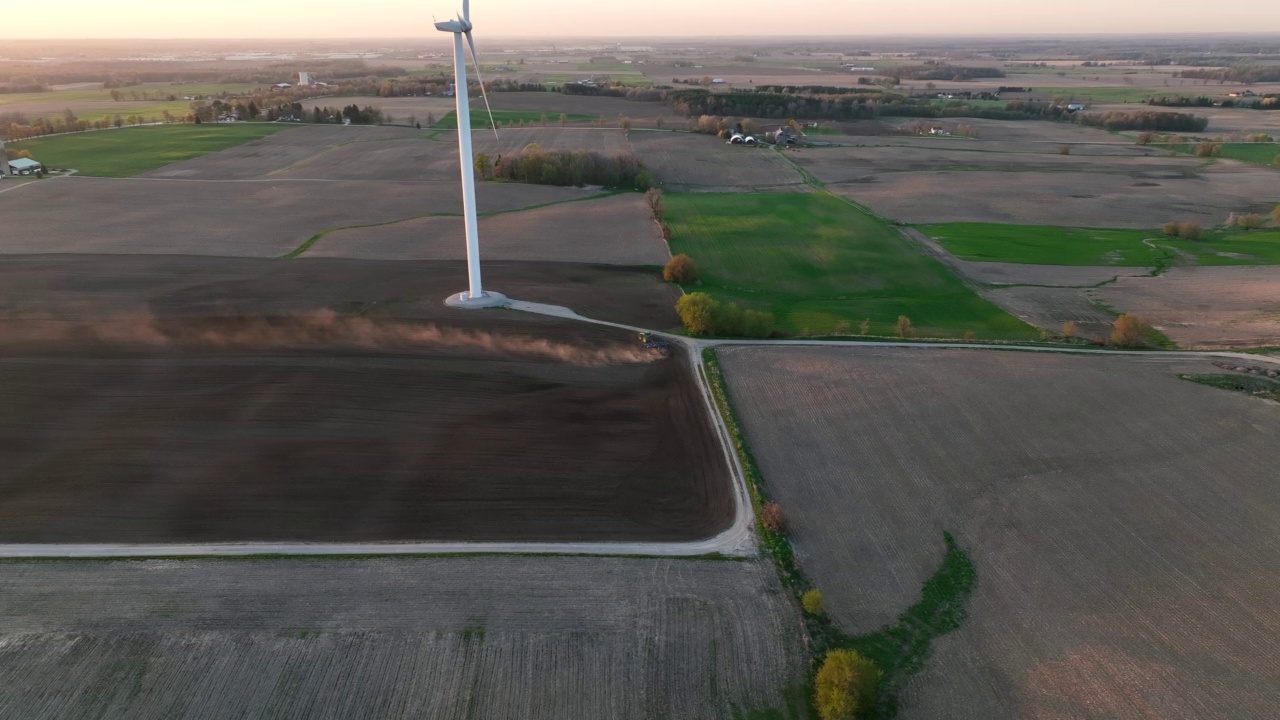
{"x": 475, "y": 297}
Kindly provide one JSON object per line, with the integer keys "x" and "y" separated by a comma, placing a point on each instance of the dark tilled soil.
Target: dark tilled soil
{"x": 182, "y": 285}
{"x": 166, "y": 399}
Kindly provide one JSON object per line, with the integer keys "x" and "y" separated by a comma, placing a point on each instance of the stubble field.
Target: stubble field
{"x": 703, "y": 163}
{"x": 281, "y": 151}
{"x": 1136, "y": 200}
{"x": 233, "y": 400}
{"x": 443, "y": 638}
{"x": 238, "y": 218}
{"x": 615, "y": 230}
{"x": 1205, "y": 306}
{"x": 1123, "y": 522}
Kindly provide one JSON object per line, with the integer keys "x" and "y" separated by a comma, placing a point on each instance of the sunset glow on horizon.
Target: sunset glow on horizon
{"x": 592, "y": 18}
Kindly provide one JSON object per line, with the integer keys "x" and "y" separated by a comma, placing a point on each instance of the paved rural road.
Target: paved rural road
{"x": 738, "y": 540}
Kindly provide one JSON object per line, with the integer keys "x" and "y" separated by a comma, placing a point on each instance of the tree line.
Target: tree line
{"x": 695, "y": 103}
{"x": 939, "y": 71}
{"x": 1266, "y": 102}
{"x": 533, "y": 164}
{"x": 1246, "y": 73}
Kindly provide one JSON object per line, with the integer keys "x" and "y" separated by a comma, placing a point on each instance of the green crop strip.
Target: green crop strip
{"x": 1258, "y": 387}
{"x": 900, "y": 649}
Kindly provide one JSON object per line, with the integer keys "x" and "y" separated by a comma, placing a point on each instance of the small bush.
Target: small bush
{"x": 842, "y": 327}
{"x": 864, "y": 327}
{"x": 694, "y": 310}
{"x": 1208, "y": 149}
{"x": 812, "y": 602}
{"x": 1188, "y": 230}
{"x": 703, "y": 315}
{"x": 666, "y": 230}
{"x": 1069, "y": 329}
{"x": 1252, "y": 221}
{"x": 1170, "y": 229}
{"x": 771, "y": 517}
{"x": 969, "y": 336}
{"x": 654, "y": 197}
{"x": 680, "y": 269}
{"x": 1130, "y": 331}
{"x": 1064, "y": 149}
{"x": 1275, "y": 214}
{"x": 904, "y": 326}
{"x": 845, "y": 683}
{"x": 1145, "y": 138}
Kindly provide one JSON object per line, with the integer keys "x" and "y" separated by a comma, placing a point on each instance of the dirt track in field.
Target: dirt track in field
{"x": 1205, "y": 306}
{"x": 163, "y": 399}
{"x": 1124, "y": 523}
{"x": 500, "y": 638}
{"x": 615, "y": 230}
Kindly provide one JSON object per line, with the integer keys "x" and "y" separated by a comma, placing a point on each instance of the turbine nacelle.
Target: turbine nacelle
{"x": 454, "y": 26}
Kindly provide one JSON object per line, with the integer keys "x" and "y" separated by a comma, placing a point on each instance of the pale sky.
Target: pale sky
{"x": 616, "y": 18}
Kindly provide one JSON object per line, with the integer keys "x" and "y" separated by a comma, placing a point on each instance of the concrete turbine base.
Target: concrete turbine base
{"x": 464, "y": 301}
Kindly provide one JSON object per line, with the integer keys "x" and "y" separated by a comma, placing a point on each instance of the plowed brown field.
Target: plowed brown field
{"x": 199, "y": 399}
{"x": 1124, "y": 523}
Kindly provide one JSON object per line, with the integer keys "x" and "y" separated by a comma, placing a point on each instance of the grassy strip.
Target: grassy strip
{"x": 1051, "y": 245}
{"x": 710, "y": 557}
{"x": 1258, "y": 387}
{"x": 899, "y": 650}
{"x": 1254, "y": 153}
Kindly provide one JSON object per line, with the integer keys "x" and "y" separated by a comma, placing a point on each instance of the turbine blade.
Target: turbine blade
{"x": 466, "y": 10}
{"x": 483, "y": 94}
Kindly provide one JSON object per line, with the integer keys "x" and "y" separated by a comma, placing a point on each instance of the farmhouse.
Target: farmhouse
{"x": 24, "y": 166}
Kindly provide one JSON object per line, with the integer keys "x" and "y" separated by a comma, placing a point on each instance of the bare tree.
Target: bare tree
{"x": 904, "y": 326}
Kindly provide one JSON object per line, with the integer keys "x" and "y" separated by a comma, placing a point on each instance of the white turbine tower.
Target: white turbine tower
{"x": 475, "y": 297}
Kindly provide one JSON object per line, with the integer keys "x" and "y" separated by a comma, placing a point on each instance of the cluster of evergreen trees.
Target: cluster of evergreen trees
{"x": 353, "y": 112}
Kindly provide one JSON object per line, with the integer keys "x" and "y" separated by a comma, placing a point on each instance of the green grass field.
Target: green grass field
{"x": 130, "y": 151}
{"x": 1044, "y": 245}
{"x": 480, "y": 118}
{"x": 1256, "y": 153}
{"x": 815, "y": 260}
